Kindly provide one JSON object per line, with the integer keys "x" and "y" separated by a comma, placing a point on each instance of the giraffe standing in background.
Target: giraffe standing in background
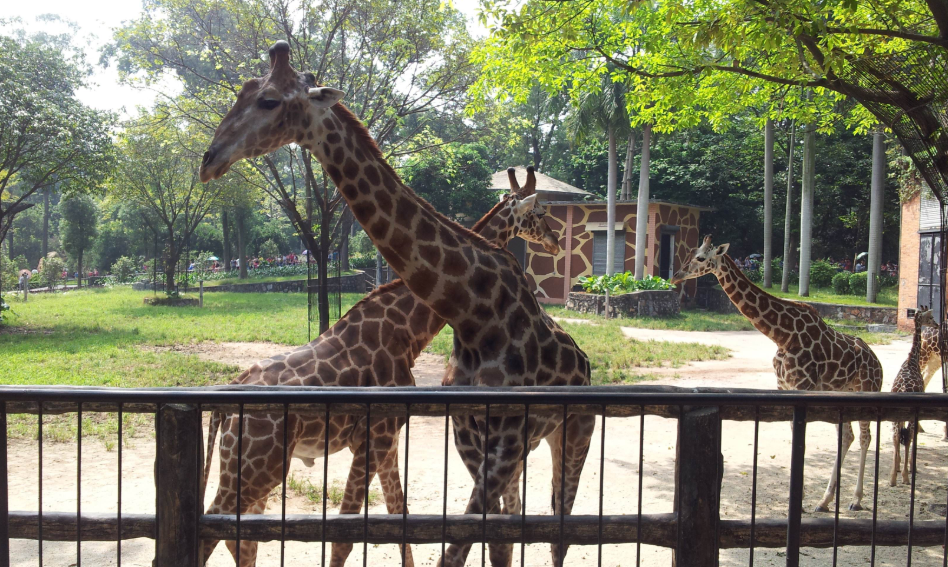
{"x": 388, "y": 328}
{"x": 810, "y": 355}
{"x": 909, "y": 379}
{"x": 501, "y": 335}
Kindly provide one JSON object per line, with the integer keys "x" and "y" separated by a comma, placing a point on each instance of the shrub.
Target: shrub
{"x": 755, "y": 275}
{"x": 857, "y": 283}
{"x": 821, "y": 273}
{"x": 269, "y": 249}
{"x": 51, "y": 270}
{"x": 362, "y": 261}
{"x": 4, "y": 307}
{"x": 124, "y": 270}
{"x": 841, "y": 283}
{"x": 621, "y": 283}
{"x": 888, "y": 281}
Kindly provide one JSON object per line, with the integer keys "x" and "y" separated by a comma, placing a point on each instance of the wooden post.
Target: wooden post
{"x": 699, "y": 467}
{"x": 178, "y": 476}
{"x": 201, "y": 295}
{"x": 795, "y": 512}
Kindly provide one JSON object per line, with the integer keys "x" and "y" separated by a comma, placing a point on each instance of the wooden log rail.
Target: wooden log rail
{"x": 736, "y": 404}
{"x": 657, "y": 529}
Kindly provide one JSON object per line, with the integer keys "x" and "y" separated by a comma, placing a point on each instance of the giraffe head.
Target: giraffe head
{"x": 532, "y": 225}
{"x": 924, "y": 318}
{"x": 282, "y": 107}
{"x": 705, "y": 259}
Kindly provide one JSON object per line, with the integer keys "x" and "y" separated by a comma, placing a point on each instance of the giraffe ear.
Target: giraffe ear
{"x": 526, "y": 204}
{"x": 721, "y": 250}
{"x": 324, "y": 97}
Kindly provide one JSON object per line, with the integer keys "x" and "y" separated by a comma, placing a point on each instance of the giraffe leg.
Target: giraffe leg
{"x": 830, "y": 493}
{"x": 578, "y": 430}
{"x": 361, "y": 475}
{"x": 392, "y": 491}
{"x": 501, "y": 555}
{"x": 896, "y": 453}
{"x": 248, "y": 549}
{"x": 909, "y": 436}
{"x": 503, "y": 457}
{"x": 865, "y": 437}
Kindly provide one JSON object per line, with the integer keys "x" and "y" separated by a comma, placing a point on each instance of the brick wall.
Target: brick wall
{"x": 908, "y": 261}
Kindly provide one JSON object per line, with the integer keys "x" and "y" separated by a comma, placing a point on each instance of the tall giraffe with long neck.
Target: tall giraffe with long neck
{"x": 810, "y": 354}
{"x": 374, "y": 344}
{"x": 501, "y": 335}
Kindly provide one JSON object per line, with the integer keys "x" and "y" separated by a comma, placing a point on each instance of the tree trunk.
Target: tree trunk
{"x": 79, "y": 263}
{"x": 225, "y": 227}
{"x": 788, "y": 218}
{"x": 806, "y": 207}
{"x": 241, "y": 245}
{"x": 627, "y": 173}
{"x": 322, "y": 297}
{"x": 641, "y": 209}
{"x": 611, "y": 205}
{"x": 875, "y": 215}
{"x": 768, "y": 202}
{"x": 46, "y": 222}
{"x": 169, "y": 263}
{"x": 344, "y": 233}
{"x": 10, "y": 232}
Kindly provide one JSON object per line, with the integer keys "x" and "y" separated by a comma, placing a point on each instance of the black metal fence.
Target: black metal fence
{"x": 695, "y": 530}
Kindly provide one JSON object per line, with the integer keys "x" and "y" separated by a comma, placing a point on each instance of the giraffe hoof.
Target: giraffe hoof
{"x": 854, "y": 507}
{"x": 820, "y": 508}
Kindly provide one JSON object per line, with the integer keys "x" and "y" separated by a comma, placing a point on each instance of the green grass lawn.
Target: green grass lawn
{"x": 253, "y": 280}
{"x": 689, "y": 320}
{"x": 887, "y": 297}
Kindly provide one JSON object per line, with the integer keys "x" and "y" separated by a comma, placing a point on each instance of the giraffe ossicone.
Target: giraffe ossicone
{"x": 810, "y": 354}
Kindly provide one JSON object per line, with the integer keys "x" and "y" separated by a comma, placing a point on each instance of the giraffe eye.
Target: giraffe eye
{"x": 268, "y": 103}
{"x": 700, "y": 259}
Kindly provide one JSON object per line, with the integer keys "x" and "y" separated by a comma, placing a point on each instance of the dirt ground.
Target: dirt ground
{"x": 749, "y": 367}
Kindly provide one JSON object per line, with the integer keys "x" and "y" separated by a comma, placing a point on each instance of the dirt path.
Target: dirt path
{"x": 749, "y": 367}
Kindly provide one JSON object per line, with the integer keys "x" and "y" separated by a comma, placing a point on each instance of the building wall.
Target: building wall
{"x": 548, "y": 273}
{"x": 908, "y": 261}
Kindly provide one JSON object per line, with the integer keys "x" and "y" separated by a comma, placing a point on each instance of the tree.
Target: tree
{"x": 78, "y": 227}
{"x": 454, "y": 178}
{"x": 47, "y": 136}
{"x": 156, "y": 171}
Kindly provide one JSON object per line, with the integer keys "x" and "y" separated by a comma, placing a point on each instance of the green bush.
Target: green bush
{"x": 888, "y": 281}
{"x": 756, "y": 275}
{"x": 841, "y": 283}
{"x": 621, "y": 283}
{"x": 269, "y": 249}
{"x": 124, "y": 270}
{"x": 362, "y": 261}
{"x": 821, "y": 273}
{"x": 857, "y": 284}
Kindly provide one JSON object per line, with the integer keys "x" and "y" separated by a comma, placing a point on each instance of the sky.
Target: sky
{"x": 96, "y": 19}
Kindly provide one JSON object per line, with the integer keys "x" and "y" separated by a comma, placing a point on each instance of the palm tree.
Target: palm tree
{"x": 806, "y": 206}
{"x": 603, "y": 109}
{"x": 875, "y": 214}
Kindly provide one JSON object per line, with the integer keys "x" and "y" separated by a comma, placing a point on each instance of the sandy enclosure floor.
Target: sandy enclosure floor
{"x": 749, "y": 367}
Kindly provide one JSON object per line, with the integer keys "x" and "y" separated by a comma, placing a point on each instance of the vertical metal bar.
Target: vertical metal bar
{"x": 638, "y": 521}
{"x": 405, "y": 491}
{"x": 908, "y": 563}
{"x": 118, "y": 542}
{"x": 240, "y": 466}
{"x": 365, "y": 521}
{"x": 444, "y": 502}
{"x": 562, "y": 509}
{"x": 79, "y": 486}
{"x": 286, "y": 428}
{"x": 484, "y": 481}
{"x": 875, "y": 492}
{"x": 523, "y": 501}
{"x": 4, "y": 490}
{"x": 602, "y": 470}
{"x": 325, "y": 480}
{"x": 839, "y": 452}
{"x": 158, "y": 428}
{"x": 797, "y": 452}
{"x": 39, "y": 542}
{"x": 944, "y": 547}
{"x": 754, "y": 487}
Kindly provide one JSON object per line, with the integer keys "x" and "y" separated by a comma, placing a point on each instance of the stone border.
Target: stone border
{"x": 649, "y": 303}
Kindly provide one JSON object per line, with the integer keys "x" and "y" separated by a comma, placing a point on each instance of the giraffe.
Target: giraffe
{"x": 929, "y": 358}
{"x": 407, "y": 326}
{"x": 501, "y": 335}
{"x": 810, "y": 355}
{"x": 909, "y": 379}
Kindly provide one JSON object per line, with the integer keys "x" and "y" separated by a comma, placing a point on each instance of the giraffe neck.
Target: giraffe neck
{"x": 499, "y": 225}
{"x": 431, "y": 254}
{"x": 754, "y": 303}
{"x": 916, "y": 351}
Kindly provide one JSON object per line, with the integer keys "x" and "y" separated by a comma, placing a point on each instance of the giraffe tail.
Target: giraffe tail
{"x": 904, "y": 436}
{"x": 212, "y": 428}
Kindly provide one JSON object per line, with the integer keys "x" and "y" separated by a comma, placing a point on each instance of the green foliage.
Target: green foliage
{"x": 4, "y": 307}
{"x": 755, "y": 275}
{"x": 124, "y": 270}
{"x": 821, "y": 273}
{"x": 841, "y": 283}
{"x": 622, "y": 283}
{"x": 454, "y": 178}
{"x": 51, "y": 270}
{"x": 269, "y": 249}
{"x": 886, "y": 280}
{"x": 362, "y": 261}
{"x": 857, "y": 284}
{"x": 78, "y": 226}
{"x": 10, "y": 272}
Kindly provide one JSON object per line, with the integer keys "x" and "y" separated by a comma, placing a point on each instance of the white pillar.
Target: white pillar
{"x": 806, "y": 207}
{"x": 768, "y": 202}
{"x": 875, "y": 215}
{"x": 641, "y": 209}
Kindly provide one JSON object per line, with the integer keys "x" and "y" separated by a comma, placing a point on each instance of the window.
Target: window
{"x": 599, "y": 252}
{"x": 518, "y": 247}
